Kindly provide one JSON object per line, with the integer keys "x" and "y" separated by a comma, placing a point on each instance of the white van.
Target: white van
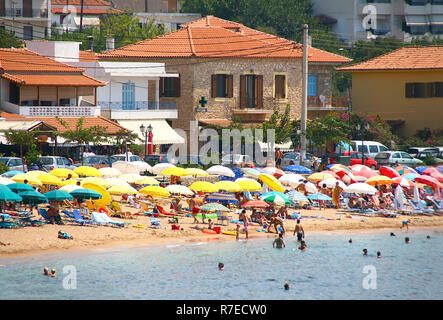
{"x": 369, "y": 148}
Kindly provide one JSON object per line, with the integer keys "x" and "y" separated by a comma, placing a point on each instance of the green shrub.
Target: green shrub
{"x": 3, "y": 168}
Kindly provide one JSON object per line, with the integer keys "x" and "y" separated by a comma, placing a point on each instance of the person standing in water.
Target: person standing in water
{"x": 299, "y": 230}
{"x": 279, "y": 242}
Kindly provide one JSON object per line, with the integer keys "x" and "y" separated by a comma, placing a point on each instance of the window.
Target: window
{"x": 404, "y": 155}
{"x": 27, "y": 33}
{"x": 373, "y": 149}
{"x": 222, "y": 86}
{"x": 170, "y": 87}
{"x": 312, "y": 85}
{"x": 60, "y": 161}
{"x": 280, "y": 86}
{"x": 396, "y": 155}
{"x": 439, "y": 89}
{"x": 128, "y": 96}
{"x": 424, "y": 90}
{"x": 382, "y": 148}
{"x": 251, "y": 91}
{"x": 362, "y": 148}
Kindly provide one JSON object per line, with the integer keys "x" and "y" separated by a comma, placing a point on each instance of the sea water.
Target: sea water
{"x": 331, "y": 268}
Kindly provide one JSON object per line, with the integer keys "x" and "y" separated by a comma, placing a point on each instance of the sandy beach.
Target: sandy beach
{"x": 43, "y": 239}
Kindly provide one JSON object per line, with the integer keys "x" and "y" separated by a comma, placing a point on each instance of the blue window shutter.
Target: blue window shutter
{"x": 312, "y": 85}
{"x": 128, "y": 96}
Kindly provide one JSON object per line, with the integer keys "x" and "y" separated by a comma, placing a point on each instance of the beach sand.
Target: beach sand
{"x": 43, "y": 239}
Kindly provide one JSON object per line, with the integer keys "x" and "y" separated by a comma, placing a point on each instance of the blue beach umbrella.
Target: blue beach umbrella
{"x": 33, "y": 197}
{"x": 319, "y": 196}
{"x": 222, "y": 198}
{"x": 272, "y": 193}
{"x": 11, "y": 173}
{"x": 83, "y": 193}
{"x": 6, "y": 195}
{"x": 420, "y": 169}
{"x": 440, "y": 168}
{"x": 295, "y": 196}
{"x": 298, "y": 169}
{"x": 20, "y": 187}
{"x": 58, "y": 195}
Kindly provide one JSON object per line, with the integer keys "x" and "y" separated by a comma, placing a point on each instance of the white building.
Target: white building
{"x": 131, "y": 95}
{"x": 402, "y": 19}
{"x": 171, "y": 21}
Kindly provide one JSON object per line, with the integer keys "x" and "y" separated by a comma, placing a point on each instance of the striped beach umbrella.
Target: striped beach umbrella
{"x": 405, "y": 170}
{"x": 255, "y": 204}
{"x": 295, "y": 196}
{"x": 222, "y": 198}
{"x": 213, "y": 207}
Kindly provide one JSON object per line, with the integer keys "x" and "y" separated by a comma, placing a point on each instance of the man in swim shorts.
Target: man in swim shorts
{"x": 299, "y": 230}
{"x": 279, "y": 243}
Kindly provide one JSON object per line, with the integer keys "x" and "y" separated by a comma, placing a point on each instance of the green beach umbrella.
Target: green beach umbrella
{"x": 6, "y": 195}
{"x": 33, "y": 197}
{"x": 20, "y": 187}
{"x": 58, "y": 195}
{"x": 213, "y": 207}
{"x": 276, "y": 199}
{"x": 83, "y": 193}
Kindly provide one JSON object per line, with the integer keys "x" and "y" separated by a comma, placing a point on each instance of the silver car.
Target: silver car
{"x": 14, "y": 164}
{"x": 53, "y": 162}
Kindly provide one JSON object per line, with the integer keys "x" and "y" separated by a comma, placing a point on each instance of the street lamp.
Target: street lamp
{"x": 147, "y": 133}
{"x": 364, "y": 129}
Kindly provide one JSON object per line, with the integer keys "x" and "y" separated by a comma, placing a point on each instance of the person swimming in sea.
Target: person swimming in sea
{"x": 392, "y": 234}
{"x": 378, "y": 254}
{"x": 221, "y": 266}
{"x": 53, "y": 275}
{"x": 350, "y": 241}
{"x": 46, "y": 271}
{"x": 407, "y": 240}
{"x": 365, "y": 252}
{"x": 303, "y": 246}
{"x": 286, "y": 286}
{"x": 279, "y": 242}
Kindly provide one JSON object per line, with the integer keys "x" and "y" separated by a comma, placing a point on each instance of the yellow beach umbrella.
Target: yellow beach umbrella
{"x": 49, "y": 179}
{"x": 197, "y": 172}
{"x": 106, "y": 197}
{"x": 122, "y": 190}
{"x": 87, "y": 171}
{"x": 230, "y": 186}
{"x": 68, "y": 182}
{"x": 21, "y": 177}
{"x": 320, "y": 176}
{"x": 35, "y": 173}
{"x": 155, "y": 191}
{"x": 63, "y": 173}
{"x": 147, "y": 181}
{"x": 203, "y": 186}
{"x": 271, "y": 182}
{"x": 379, "y": 180}
{"x": 175, "y": 171}
{"x": 116, "y": 182}
{"x": 96, "y": 180}
{"x": 70, "y": 187}
{"x": 249, "y": 184}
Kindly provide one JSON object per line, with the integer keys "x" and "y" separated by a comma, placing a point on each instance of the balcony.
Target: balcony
{"x": 20, "y": 13}
{"x": 140, "y": 110}
{"x": 51, "y": 111}
{"x": 332, "y": 103}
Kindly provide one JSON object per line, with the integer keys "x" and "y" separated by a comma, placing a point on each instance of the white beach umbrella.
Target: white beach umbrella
{"x": 109, "y": 172}
{"x": 311, "y": 188}
{"x": 159, "y": 167}
{"x": 361, "y": 188}
{"x": 116, "y": 182}
{"x": 141, "y": 165}
{"x": 330, "y": 183}
{"x": 131, "y": 177}
{"x": 125, "y": 167}
{"x": 179, "y": 189}
{"x": 291, "y": 179}
{"x": 70, "y": 187}
{"x": 221, "y": 171}
{"x": 5, "y": 181}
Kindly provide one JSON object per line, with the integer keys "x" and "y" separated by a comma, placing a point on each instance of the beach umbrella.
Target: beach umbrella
{"x": 378, "y": 180}
{"x": 141, "y": 166}
{"x": 248, "y": 184}
{"x": 319, "y": 176}
{"x": 155, "y": 191}
{"x": 440, "y": 168}
{"x": 222, "y": 198}
{"x": 70, "y": 187}
{"x": 437, "y": 175}
{"x": 298, "y": 169}
{"x": 405, "y": 170}
{"x": 330, "y": 183}
{"x": 221, "y": 171}
{"x": 295, "y": 196}
{"x": 430, "y": 170}
{"x": 229, "y": 186}
{"x": 311, "y": 188}
{"x": 5, "y": 181}
{"x": 271, "y": 193}
{"x": 84, "y": 193}
{"x": 255, "y": 204}
{"x": 63, "y": 173}
{"x": 403, "y": 182}
{"x": 109, "y": 172}
{"x": 400, "y": 196}
{"x": 116, "y": 182}
{"x": 276, "y": 172}
{"x": 203, "y": 186}
{"x": 150, "y": 181}
{"x": 122, "y": 190}
{"x": 49, "y": 179}
{"x": 31, "y": 180}
{"x": 360, "y": 188}
{"x": 33, "y": 197}
{"x": 9, "y": 196}
{"x": 95, "y": 180}
{"x": 366, "y": 172}
{"x": 276, "y": 199}
{"x": 410, "y": 176}
{"x": 131, "y": 177}
{"x": 106, "y": 198}
{"x": 271, "y": 182}
{"x": 18, "y": 187}
{"x": 159, "y": 167}
{"x": 11, "y": 173}
{"x": 338, "y": 167}
{"x": 174, "y": 171}
{"x": 35, "y": 173}
{"x": 214, "y": 206}
{"x": 69, "y": 181}
{"x": 319, "y": 196}
{"x": 388, "y": 172}
{"x": 416, "y": 195}
{"x": 420, "y": 169}
{"x": 58, "y": 195}
{"x": 252, "y": 172}
{"x": 179, "y": 189}
{"x": 358, "y": 179}
{"x": 292, "y": 179}
{"x": 125, "y": 167}
{"x": 332, "y": 173}
{"x": 428, "y": 180}
{"x": 197, "y": 172}
{"x": 87, "y": 171}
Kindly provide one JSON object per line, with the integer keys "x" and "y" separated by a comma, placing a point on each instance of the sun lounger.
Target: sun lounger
{"x": 348, "y": 208}
{"x": 438, "y": 205}
{"x": 155, "y": 222}
{"x": 419, "y": 208}
{"x": 222, "y": 216}
{"x": 80, "y": 220}
{"x": 101, "y": 217}
{"x": 7, "y": 223}
{"x": 44, "y": 214}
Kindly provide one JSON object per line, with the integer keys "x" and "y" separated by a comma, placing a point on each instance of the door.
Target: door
{"x": 128, "y": 96}
{"x": 27, "y": 8}
{"x": 407, "y": 159}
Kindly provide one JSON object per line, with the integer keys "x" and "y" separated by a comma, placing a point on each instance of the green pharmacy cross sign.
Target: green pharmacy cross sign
{"x": 203, "y": 103}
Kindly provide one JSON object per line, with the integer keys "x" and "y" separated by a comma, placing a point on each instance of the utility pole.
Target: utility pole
{"x": 81, "y": 16}
{"x": 304, "y": 108}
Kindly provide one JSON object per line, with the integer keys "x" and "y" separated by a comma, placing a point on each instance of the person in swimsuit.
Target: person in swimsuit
{"x": 405, "y": 223}
{"x": 279, "y": 243}
{"x": 299, "y": 230}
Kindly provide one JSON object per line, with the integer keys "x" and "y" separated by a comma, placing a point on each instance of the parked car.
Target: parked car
{"x": 153, "y": 159}
{"x": 97, "y": 161}
{"x": 424, "y": 154}
{"x": 190, "y": 159}
{"x": 14, "y": 163}
{"x": 413, "y": 151}
{"x": 369, "y": 148}
{"x": 49, "y": 163}
{"x": 122, "y": 157}
{"x": 389, "y": 158}
{"x": 356, "y": 158}
{"x": 436, "y": 152}
{"x": 239, "y": 160}
{"x": 293, "y": 158}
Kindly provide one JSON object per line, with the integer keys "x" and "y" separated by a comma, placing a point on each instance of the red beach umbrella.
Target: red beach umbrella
{"x": 388, "y": 172}
{"x": 428, "y": 180}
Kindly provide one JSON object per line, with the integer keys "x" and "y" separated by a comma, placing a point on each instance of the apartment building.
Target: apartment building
{"x": 354, "y": 20}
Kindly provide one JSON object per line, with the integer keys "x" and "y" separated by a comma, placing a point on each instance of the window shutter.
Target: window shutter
{"x": 162, "y": 87}
{"x": 213, "y": 86}
{"x": 242, "y": 91}
{"x": 259, "y": 96}
{"x": 280, "y": 87}
{"x": 230, "y": 86}
{"x": 409, "y": 91}
{"x": 177, "y": 87}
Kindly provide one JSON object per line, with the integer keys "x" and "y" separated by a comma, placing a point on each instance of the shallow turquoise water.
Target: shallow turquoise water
{"x": 331, "y": 268}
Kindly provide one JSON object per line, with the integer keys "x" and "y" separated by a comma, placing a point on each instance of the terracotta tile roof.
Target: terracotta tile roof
{"x": 212, "y": 37}
{"x": 98, "y": 3}
{"x": 407, "y": 58}
{"x": 87, "y": 11}
{"x": 66, "y": 80}
{"x": 11, "y": 116}
{"x": 88, "y": 56}
{"x": 24, "y": 60}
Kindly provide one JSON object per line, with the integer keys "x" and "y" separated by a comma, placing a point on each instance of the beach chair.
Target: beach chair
{"x": 164, "y": 212}
{"x": 155, "y": 222}
{"x": 44, "y": 214}
{"x": 79, "y": 219}
{"x": 222, "y": 216}
{"x": 438, "y": 205}
{"x": 7, "y": 223}
{"x": 90, "y": 205}
{"x": 348, "y": 208}
{"x": 118, "y": 212}
{"x": 419, "y": 208}
{"x": 69, "y": 214}
{"x": 102, "y": 218}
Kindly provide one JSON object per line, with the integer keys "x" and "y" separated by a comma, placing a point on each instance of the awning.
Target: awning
{"x": 87, "y": 21}
{"x": 436, "y": 19}
{"x": 161, "y": 130}
{"x": 417, "y": 20}
{"x": 284, "y": 147}
{"x": 62, "y": 79}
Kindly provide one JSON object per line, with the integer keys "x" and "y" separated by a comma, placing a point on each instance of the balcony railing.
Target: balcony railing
{"x": 328, "y": 102}
{"x": 19, "y": 12}
{"x": 40, "y": 111}
{"x": 138, "y": 105}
